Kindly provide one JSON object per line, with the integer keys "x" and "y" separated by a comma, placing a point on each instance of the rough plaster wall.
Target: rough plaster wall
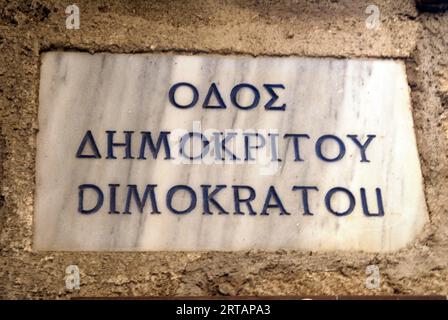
{"x": 314, "y": 28}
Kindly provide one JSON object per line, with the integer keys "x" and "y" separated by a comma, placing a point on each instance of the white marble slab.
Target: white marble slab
{"x": 80, "y": 92}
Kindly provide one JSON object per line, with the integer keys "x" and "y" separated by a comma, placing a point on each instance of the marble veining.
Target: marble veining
{"x": 87, "y": 99}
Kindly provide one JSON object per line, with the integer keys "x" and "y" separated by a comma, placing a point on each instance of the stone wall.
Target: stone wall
{"x": 277, "y": 28}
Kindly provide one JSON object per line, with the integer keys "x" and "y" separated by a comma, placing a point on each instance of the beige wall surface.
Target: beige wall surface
{"x": 269, "y": 28}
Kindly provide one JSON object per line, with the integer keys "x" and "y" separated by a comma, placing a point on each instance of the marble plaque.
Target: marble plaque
{"x": 207, "y": 152}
